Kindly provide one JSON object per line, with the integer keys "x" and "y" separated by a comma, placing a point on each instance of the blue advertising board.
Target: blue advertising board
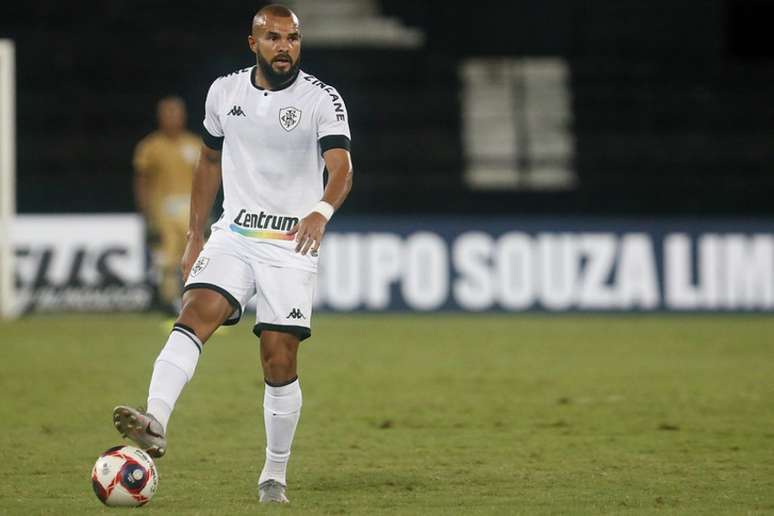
{"x": 425, "y": 264}
{"x": 518, "y": 264}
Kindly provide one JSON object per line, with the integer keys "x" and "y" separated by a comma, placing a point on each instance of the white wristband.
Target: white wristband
{"x": 324, "y": 209}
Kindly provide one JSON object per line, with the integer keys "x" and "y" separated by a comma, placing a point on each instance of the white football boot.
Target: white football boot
{"x": 271, "y": 491}
{"x": 141, "y": 428}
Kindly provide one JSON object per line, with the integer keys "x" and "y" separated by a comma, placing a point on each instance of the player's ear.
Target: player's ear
{"x": 252, "y": 43}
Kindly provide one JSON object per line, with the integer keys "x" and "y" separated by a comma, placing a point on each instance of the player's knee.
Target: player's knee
{"x": 282, "y": 359}
{"x": 278, "y": 357}
{"x": 206, "y": 305}
{"x": 204, "y": 311}
{"x": 279, "y": 361}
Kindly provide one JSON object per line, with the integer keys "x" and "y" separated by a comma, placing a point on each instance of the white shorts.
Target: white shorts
{"x": 230, "y": 267}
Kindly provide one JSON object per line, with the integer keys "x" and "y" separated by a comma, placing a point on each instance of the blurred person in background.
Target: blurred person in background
{"x": 163, "y": 171}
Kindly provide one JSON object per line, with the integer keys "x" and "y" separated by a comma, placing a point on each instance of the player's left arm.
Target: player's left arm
{"x": 310, "y": 230}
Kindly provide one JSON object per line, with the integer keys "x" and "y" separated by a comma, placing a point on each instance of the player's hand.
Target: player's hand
{"x": 309, "y": 232}
{"x": 193, "y": 247}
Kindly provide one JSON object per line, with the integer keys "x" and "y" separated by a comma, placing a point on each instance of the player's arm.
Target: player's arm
{"x": 309, "y": 231}
{"x": 206, "y": 183}
{"x": 339, "y": 165}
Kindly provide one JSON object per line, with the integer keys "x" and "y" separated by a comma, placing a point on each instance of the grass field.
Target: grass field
{"x": 412, "y": 415}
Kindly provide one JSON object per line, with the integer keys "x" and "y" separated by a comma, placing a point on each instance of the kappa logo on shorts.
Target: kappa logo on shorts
{"x": 289, "y": 117}
{"x": 296, "y": 314}
{"x": 200, "y": 265}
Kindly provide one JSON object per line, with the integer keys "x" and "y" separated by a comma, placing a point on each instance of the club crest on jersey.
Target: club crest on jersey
{"x": 199, "y": 266}
{"x": 289, "y": 117}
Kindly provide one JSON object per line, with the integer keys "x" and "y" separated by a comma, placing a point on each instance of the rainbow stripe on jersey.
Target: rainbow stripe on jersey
{"x": 261, "y": 233}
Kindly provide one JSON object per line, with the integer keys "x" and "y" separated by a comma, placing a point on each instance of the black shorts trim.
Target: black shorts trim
{"x": 334, "y": 141}
{"x": 301, "y": 332}
{"x": 223, "y": 292}
{"x": 213, "y": 142}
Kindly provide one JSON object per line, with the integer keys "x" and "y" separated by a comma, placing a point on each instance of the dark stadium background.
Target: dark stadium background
{"x": 604, "y": 348}
{"x": 672, "y": 101}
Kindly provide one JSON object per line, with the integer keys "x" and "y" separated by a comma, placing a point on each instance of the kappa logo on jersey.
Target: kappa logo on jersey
{"x": 200, "y": 265}
{"x": 296, "y": 314}
{"x": 289, "y": 117}
{"x": 236, "y": 111}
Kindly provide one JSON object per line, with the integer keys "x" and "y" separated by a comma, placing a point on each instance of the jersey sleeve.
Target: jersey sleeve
{"x": 213, "y": 130}
{"x": 332, "y": 122}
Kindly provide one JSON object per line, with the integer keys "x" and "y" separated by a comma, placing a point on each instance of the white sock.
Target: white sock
{"x": 173, "y": 369}
{"x": 281, "y": 410}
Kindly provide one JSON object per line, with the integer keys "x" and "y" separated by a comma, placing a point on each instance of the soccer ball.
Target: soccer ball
{"x": 124, "y": 476}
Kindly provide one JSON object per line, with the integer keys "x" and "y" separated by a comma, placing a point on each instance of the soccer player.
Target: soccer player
{"x": 163, "y": 167}
{"x": 269, "y": 131}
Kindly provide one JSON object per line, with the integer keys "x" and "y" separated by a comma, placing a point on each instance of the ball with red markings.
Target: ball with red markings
{"x": 124, "y": 476}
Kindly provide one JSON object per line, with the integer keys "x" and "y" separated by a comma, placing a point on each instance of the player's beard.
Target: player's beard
{"x": 274, "y": 78}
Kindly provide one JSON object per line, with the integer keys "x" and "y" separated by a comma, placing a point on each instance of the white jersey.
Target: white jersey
{"x": 272, "y": 144}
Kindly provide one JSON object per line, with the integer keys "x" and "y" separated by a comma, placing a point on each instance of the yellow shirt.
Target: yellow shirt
{"x": 168, "y": 164}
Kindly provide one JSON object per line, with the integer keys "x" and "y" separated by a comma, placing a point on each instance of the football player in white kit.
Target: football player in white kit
{"x": 269, "y": 132}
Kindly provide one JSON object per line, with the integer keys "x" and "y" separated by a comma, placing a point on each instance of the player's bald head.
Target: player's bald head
{"x": 265, "y": 16}
{"x": 275, "y": 39}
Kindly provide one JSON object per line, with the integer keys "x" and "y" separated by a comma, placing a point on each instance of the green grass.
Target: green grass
{"x": 413, "y": 415}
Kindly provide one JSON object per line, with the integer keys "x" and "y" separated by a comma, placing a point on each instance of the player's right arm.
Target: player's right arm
{"x": 206, "y": 183}
{"x": 206, "y": 180}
